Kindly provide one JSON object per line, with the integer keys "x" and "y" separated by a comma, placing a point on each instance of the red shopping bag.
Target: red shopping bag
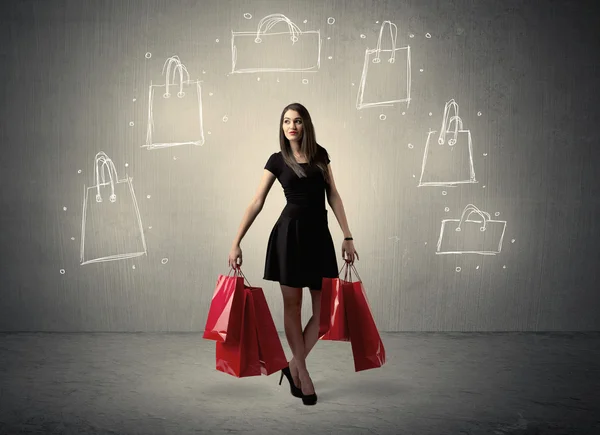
{"x": 224, "y": 318}
{"x": 333, "y": 325}
{"x": 270, "y": 351}
{"x": 241, "y": 359}
{"x": 367, "y": 348}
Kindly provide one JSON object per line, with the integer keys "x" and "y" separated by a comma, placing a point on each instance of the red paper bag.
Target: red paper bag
{"x": 333, "y": 324}
{"x": 224, "y": 318}
{"x": 241, "y": 359}
{"x": 271, "y": 355}
{"x": 367, "y": 348}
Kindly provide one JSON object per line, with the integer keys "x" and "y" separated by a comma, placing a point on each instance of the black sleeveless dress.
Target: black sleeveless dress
{"x": 300, "y": 249}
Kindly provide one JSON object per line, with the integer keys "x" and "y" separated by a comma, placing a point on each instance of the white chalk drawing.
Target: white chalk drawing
{"x": 111, "y": 227}
{"x": 265, "y": 51}
{"x": 175, "y": 114}
{"x": 480, "y": 235}
{"x": 386, "y": 74}
{"x": 450, "y": 161}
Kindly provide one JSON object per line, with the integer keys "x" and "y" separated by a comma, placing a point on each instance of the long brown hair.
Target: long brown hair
{"x": 308, "y": 146}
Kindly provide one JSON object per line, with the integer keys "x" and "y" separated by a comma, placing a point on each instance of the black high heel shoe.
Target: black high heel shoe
{"x": 296, "y": 392}
{"x": 310, "y": 399}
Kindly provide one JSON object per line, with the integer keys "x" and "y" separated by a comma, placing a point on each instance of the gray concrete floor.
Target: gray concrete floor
{"x": 432, "y": 383}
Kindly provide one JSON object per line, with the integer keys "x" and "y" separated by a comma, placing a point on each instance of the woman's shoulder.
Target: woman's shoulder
{"x": 274, "y": 161}
{"x": 323, "y": 152}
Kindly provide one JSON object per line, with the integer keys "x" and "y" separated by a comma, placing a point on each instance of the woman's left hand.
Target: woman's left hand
{"x": 348, "y": 251}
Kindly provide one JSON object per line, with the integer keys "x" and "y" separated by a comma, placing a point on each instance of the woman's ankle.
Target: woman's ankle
{"x": 303, "y": 373}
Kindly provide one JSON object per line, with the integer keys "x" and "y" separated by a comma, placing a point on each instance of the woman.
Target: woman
{"x": 300, "y": 249}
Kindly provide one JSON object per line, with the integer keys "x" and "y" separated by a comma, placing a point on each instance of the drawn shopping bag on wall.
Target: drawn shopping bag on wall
{"x": 449, "y": 161}
{"x": 386, "y": 74}
{"x": 174, "y": 109}
{"x": 111, "y": 227}
{"x": 478, "y": 235}
{"x": 265, "y": 51}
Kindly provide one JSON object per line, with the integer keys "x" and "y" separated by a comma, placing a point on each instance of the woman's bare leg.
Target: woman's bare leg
{"x": 292, "y": 322}
{"x": 310, "y": 334}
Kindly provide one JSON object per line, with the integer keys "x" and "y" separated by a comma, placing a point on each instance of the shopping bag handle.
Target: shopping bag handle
{"x": 108, "y": 163}
{"x": 271, "y": 20}
{"x": 348, "y": 272}
{"x": 174, "y": 60}
{"x": 393, "y": 35}
{"x": 447, "y": 120}
{"x": 238, "y": 272}
{"x": 470, "y": 208}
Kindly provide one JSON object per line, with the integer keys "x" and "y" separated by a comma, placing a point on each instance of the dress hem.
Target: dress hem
{"x": 278, "y": 280}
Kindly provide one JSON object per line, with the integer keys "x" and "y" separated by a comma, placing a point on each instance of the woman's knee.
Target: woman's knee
{"x": 292, "y": 299}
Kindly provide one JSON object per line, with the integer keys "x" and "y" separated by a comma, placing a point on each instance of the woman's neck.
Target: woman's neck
{"x": 295, "y": 148}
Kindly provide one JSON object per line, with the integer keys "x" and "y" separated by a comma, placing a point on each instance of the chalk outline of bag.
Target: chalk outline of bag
{"x": 270, "y": 21}
{"x": 445, "y": 130}
{"x": 363, "y": 80}
{"x": 173, "y": 60}
{"x": 485, "y": 220}
{"x": 108, "y": 163}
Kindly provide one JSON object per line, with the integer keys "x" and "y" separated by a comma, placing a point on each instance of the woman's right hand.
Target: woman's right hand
{"x": 234, "y": 255}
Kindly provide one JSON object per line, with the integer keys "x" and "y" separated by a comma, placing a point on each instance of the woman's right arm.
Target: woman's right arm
{"x": 255, "y": 207}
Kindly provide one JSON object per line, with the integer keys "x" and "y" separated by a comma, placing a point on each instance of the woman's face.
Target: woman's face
{"x": 292, "y": 125}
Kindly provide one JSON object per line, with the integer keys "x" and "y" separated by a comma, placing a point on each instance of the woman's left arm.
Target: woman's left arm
{"x": 335, "y": 201}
